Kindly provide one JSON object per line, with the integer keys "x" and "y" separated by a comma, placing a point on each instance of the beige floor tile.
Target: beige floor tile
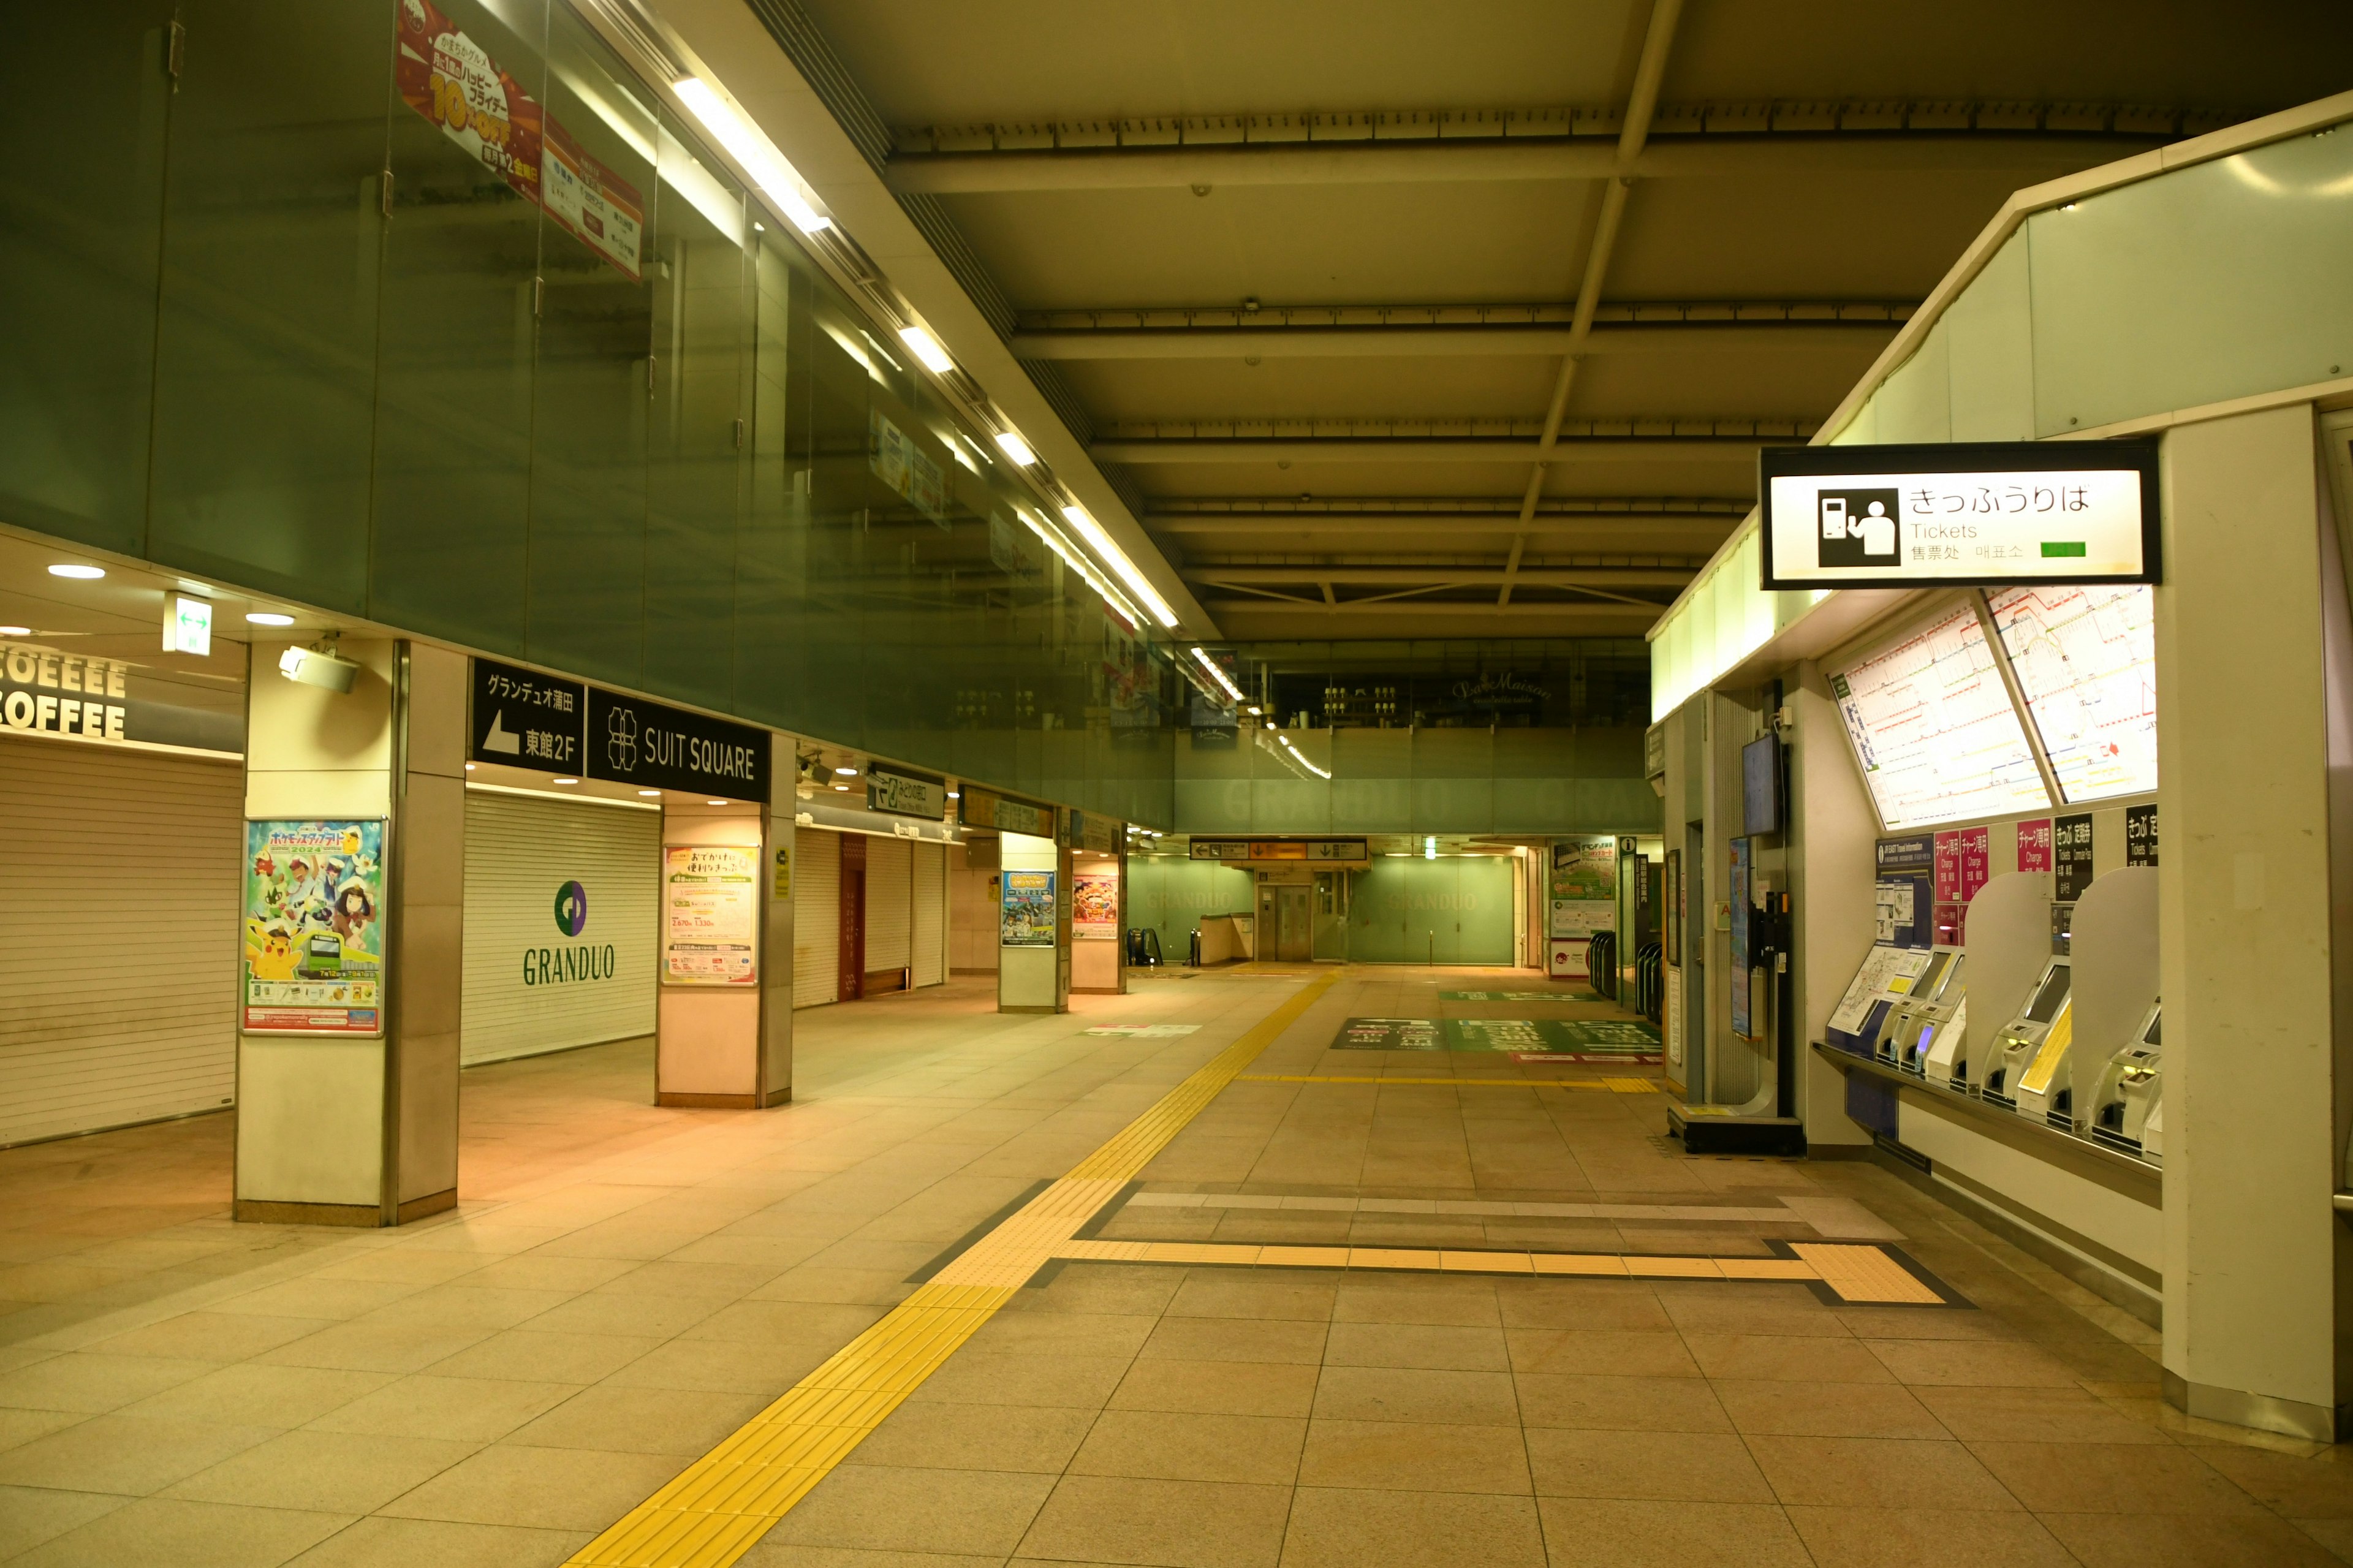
{"x": 1341, "y": 1529}
{"x": 625, "y": 1420}
{"x": 251, "y": 1394}
{"x": 328, "y": 1472}
{"x": 362, "y": 1346}
{"x": 211, "y": 1336}
{"x": 872, "y": 1507}
{"x": 771, "y": 1553}
{"x": 94, "y": 1382}
{"x": 545, "y": 1271}
{"x": 1206, "y": 1294}
{"x": 1039, "y": 1439}
{"x": 1593, "y": 1532}
{"x": 1748, "y": 1309}
{"x": 1926, "y": 1538}
{"x": 2112, "y": 1477}
{"x": 1386, "y": 1394}
{"x": 2177, "y": 1541}
{"x": 1218, "y": 1387}
{"x": 1786, "y": 1358}
{"x": 1178, "y": 1447}
{"x": 1827, "y": 1410}
{"x": 530, "y": 1355}
{"x": 412, "y": 1542}
{"x": 770, "y": 1323}
{"x": 1064, "y": 1334}
{"x": 1438, "y": 1347}
{"x": 167, "y": 1531}
{"x": 540, "y": 1489}
{"x": 30, "y": 1515}
{"x": 18, "y": 1428}
{"x": 1412, "y": 1299}
{"x": 623, "y": 1315}
{"x": 1694, "y": 1466}
{"x": 318, "y": 1295}
{"x": 1414, "y": 1455}
{"x": 2306, "y": 1490}
{"x": 1878, "y": 1472}
{"x": 978, "y": 1377}
{"x": 1171, "y": 1524}
{"x": 467, "y": 1409}
{"x": 827, "y": 1286}
{"x": 1587, "y": 1305}
{"x": 1232, "y": 1339}
{"x": 2033, "y": 1414}
{"x": 1614, "y": 1353}
{"x": 126, "y": 1454}
{"x": 1984, "y": 1364}
{"x": 1620, "y": 1403}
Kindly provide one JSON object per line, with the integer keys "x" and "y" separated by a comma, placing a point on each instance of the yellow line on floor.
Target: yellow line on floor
{"x": 1598, "y": 1085}
{"x": 1858, "y": 1274}
{"x": 723, "y": 1502}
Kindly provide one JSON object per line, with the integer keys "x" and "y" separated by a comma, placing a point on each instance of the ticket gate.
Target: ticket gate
{"x": 2126, "y": 1110}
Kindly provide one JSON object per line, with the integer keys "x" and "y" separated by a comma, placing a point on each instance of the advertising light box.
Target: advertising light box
{"x": 1958, "y": 516}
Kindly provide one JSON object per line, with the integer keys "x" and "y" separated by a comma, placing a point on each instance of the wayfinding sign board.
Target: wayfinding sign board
{"x": 527, "y": 719}
{"x": 1964, "y": 515}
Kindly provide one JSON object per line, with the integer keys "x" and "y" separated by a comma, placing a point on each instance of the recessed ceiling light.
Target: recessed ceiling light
{"x": 469, "y": 767}
{"x": 654, "y": 792}
{"x": 15, "y": 631}
{"x": 714, "y": 802}
{"x": 841, "y": 787}
{"x": 953, "y": 795}
{"x": 270, "y": 618}
{"x": 567, "y": 780}
{"x": 86, "y": 573}
{"x": 847, "y": 772}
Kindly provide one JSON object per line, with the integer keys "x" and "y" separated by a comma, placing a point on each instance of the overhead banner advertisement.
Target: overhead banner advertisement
{"x": 603, "y": 211}
{"x": 1964, "y": 515}
{"x": 1584, "y": 890}
{"x": 451, "y": 80}
{"x": 1029, "y": 909}
{"x": 313, "y": 938}
{"x": 709, "y": 914}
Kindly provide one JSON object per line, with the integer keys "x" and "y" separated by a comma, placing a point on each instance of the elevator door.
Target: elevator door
{"x": 1297, "y": 941}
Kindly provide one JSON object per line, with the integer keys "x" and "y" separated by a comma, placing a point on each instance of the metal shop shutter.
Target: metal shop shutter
{"x": 889, "y": 909}
{"x": 520, "y": 850}
{"x": 119, "y": 891}
{"x": 816, "y": 917}
{"x": 930, "y": 948}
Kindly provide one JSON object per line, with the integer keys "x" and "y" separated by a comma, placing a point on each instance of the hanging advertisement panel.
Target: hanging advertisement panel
{"x": 314, "y": 942}
{"x": 452, "y": 81}
{"x": 1584, "y": 885}
{"x": 709, "y": 914}
{"x": 603, "y": 211}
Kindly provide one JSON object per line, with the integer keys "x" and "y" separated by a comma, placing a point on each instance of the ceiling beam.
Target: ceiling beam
{"x": 1423, "y": 525}
{"x": 1730, "y": 450}
{"x": 1481, "y": 611}
{"x": 1413, "y": 340}
{"x": 2026, "y": 155}
{"x": 1449, "y": 576}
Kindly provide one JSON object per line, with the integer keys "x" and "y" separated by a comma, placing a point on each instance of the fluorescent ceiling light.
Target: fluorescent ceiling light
{"x": 15, "y": 631}
{"x": 567, "y": 780}
{"x": 767, "y": 167}
{"x": 847, "y": 772}
{"x": 82, "y": 574}
{"x": 714, "y": 802}
{"x": 1016, "y": 447}
{"x": 270, "y": 618}
{"x": 1220, "y": 676}
{"x": 654, "y": 794}
{"x": 1077, "y": 563}
{"x": 927, "y": 348}
{"x": 1119, "y": 563}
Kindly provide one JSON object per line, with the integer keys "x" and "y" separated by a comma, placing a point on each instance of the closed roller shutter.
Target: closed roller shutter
{"x": 530, "y": 986}
{"x": 930, "y": 960}
{"x": 816, "y": 917}
{"x": 889, "y": 909}
{"x": 118, "y": 892}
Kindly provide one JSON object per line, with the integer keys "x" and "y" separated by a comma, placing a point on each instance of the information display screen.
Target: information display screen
{"x": 2086, "y": 660}
{"x": 1934, "y": 729}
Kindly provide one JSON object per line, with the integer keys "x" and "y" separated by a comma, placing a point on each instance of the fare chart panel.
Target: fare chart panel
{"x": 1935, "y": 731}
{"x": 2086, "y": 660}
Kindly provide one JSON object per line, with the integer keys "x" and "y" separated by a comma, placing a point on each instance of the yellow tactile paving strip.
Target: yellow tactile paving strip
{"x": 1601, "y": 1085}
{"x": 723, "y": 1502}
{"x": 1858, "y": 1274}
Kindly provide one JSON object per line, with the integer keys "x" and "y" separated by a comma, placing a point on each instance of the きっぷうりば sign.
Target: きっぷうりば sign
{"x": 1963, "y": 515}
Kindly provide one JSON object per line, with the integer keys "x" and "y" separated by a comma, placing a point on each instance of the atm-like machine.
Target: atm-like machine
{"x": 1914, "y": 1025}
{"x": 2084, "y": 1046}
{"x": 2127, "y": 1112}
{"x": 2029, "y": 1072}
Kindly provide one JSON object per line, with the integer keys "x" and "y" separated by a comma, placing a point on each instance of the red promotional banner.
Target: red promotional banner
{"x": 452, "y": 81}
{"x": 604, "y": 211}
{"x": 2034, "y": 845}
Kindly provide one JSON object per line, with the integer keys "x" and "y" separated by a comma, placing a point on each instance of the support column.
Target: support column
{"x": 776, "y": 979}
{"x": 343, "y": 1119}
{"x": 710, "y": 1050}
{"x": 2251, "y": 1241}
{"x": 1034, "y": 878}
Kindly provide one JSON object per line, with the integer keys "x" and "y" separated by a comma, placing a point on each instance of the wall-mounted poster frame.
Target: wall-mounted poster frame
{"x": 710, "y": 915}
{"x": 312, "y": 959}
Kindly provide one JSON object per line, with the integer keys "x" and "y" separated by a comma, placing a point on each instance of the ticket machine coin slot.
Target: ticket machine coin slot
{"x": 2020, "y": 1059}
{"x": 2126, "y": 1108}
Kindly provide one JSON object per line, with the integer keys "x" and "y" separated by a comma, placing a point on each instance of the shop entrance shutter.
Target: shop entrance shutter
{"x": 118, "y": 892}
{"x": 817, "y": 916}
{"x": 530, "y": 987}
{"x": 888, "y": 909}
{"x": 930, "y": 946}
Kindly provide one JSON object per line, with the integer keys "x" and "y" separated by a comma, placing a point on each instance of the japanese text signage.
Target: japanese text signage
{"x": 527, "y": 719}
{"x": 905, "y": 794}
{"x": 1905, "y": 913}
{"x": 2140, "y": 836}
{"x": 313, "y": 928}
{"x": 1964, "y": 515}
{"x": 531, "y": 720}
{"x": 710, "y": 915}
{"x": 2034, "y": 845}
{"x": 2071, "y": 840}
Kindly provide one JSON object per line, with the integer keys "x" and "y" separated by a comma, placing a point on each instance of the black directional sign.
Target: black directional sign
{"x": 527, "y": 719}
{"x": 632, "y": 740}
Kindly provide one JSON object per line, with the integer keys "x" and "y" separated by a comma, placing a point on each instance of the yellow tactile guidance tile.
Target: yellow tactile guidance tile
{"x": 717, "y": 1507}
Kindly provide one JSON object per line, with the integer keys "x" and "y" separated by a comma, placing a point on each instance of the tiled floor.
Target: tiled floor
{"x": 624, "y": 1286}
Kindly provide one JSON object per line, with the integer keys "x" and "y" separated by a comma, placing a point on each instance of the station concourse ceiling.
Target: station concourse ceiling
{"x": 1389, "y": 320}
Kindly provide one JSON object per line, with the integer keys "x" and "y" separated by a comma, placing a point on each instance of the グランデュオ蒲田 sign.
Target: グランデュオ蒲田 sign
{"x": 1958, "y": 516}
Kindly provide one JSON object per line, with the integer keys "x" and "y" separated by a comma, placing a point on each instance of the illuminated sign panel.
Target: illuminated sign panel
{"x": 1964, "y": 515}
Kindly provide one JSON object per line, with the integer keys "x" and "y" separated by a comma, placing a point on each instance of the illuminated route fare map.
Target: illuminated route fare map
{"x": 1935, "y": 728}
{"x": 2087, "y": 659}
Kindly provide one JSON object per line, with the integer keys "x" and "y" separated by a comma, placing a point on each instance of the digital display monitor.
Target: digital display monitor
{"x": 2153, "y": 1035}
{"x": 1934, "y": 729}
{"x": 2045, "y": 1006}
{"x": 1760, "y": 784}
{"x": 2087, "y": 662}
{"x": 1925, "y": 986}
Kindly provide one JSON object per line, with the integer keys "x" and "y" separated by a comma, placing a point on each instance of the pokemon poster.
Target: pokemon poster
{"x": 313, "y": 928}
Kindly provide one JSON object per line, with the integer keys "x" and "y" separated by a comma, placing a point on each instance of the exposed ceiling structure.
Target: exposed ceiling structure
{"x": 1398, "y": 320}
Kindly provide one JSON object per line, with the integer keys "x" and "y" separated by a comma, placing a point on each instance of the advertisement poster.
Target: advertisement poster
{"x": 906, "y": 467}
{"x": 604, "y": 211}
{"x": 313, "y": 936}
{"x": 709, "y": 914}
{"x": 1029, "y": 909}
{"x": 452, "y": 81}
{"x": 1584, "y": 886}
{"x": 1094, "y": 906}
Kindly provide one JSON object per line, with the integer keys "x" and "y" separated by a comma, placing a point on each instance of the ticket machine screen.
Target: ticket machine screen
{"x": 2046, "y": 1002}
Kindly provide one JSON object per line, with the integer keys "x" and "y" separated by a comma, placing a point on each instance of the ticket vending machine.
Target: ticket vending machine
{"x": 2029, "y": 1051}
{"x": 2127, "y": 1110}
{"x": 1933, "y": 996}
{"x": 1942, "y": 1048}
{"x": 2055, "y": 1056}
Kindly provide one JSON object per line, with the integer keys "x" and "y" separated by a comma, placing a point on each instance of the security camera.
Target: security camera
{"x": 310, "y": 667}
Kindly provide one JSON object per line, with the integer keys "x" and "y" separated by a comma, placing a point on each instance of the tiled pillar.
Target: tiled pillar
{"x": 1034, "y": 979}
{"x": 715, "y": 993}
{"x": 345, "y": 1118}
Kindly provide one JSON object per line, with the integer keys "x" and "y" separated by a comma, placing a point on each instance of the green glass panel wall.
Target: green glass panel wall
{"x": 1171, "y": 895}
{"x": 1452, "y": 910}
